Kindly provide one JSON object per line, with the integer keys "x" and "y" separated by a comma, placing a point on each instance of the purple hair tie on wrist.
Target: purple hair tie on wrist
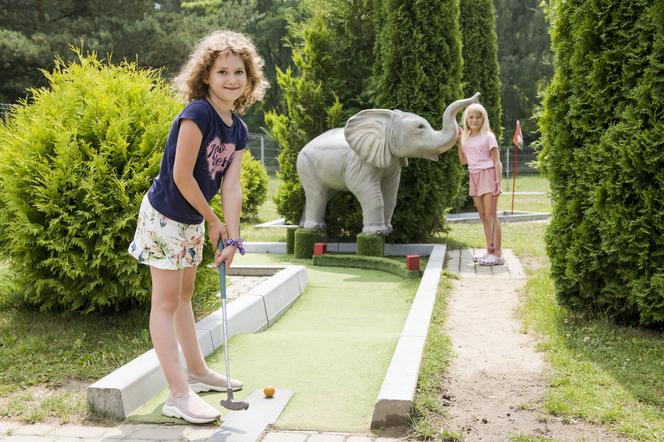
{"x": 237, "y": 243}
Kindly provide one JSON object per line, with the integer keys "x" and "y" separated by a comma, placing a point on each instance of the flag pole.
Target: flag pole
{"x": 517, "y": 140}
{"x": 516, "y": 150}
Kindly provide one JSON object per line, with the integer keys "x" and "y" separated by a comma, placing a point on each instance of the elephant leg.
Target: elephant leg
{"x": 314, "y": 207}
{"x": 390, "y": 186}
{"x": 373, "y": 210}
{"x": 316, "y": 195}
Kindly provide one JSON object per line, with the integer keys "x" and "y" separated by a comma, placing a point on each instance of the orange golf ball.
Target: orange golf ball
{"x": 268, "y": 391}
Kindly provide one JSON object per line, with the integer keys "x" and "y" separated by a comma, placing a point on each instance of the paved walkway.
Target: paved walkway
{"x": 458, "y": 261}
{"x": 14, "y": 431}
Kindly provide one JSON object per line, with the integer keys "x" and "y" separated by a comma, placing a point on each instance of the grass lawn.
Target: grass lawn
{"x": 525, "y": 203}
{"x": 47, "y": 360}
{"x": 539, "y": 202}
{"x": 601, "y": 373}
{"x": 526, "y": 183}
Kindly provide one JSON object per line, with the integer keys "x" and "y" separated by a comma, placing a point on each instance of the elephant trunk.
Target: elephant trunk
{"x": 448, "y": 134}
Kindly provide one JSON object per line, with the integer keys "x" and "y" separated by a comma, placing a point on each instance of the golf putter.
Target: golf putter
{"x": 229, "y": 403}
{"x": 491, "y": 248}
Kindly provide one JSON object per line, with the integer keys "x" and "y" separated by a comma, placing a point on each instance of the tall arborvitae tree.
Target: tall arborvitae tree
{"x": 480, "y": 57}
{"x": 480, "y": 68}
{"x": 334, "y": 66}
{"x": 524, "y": 55}
{"x": 420, "y": 72}
{"x": 603, "y": 137}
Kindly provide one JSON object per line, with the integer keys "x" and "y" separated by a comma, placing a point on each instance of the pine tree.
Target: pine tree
{"x": 421, "y": 68}
{"x": 480, "y": 68}
{"x": 333, "y": 64}
{"x": 480, "y": 57}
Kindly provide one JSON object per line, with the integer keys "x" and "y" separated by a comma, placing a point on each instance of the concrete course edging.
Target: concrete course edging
{"x": 125, "y": 389}
{"x": 504, "y": 216}
{"x": 343, "y": 247}
{"x": 397, "y": 393}
{"x": 396, "y": 396}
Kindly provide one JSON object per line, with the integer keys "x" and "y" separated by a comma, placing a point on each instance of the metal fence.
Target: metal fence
{"x": 266, "y": 150}
{"x": 526, "y": 160}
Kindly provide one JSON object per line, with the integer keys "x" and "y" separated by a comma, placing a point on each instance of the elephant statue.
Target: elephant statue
{"x": 366, "y": 157}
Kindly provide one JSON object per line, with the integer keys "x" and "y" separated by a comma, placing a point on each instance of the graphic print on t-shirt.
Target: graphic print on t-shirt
{"x": 219, "y": 156}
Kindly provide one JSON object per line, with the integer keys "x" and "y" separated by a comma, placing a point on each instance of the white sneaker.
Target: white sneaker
{"x": 491, "y": 260}
{"x": 191, "y": 408}
{"x": 480, "y": 256}
{"x": 212, "y": 381}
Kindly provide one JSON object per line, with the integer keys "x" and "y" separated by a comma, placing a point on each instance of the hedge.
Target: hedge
{"x": 370, "y": 245}
{"x": 366, "y": 262}
{"x": 603, "y": 138}
{"x": 305, "y": 240}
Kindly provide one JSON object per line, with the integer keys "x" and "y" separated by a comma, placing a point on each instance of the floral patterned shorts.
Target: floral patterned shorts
{"x": 164, "y": 243}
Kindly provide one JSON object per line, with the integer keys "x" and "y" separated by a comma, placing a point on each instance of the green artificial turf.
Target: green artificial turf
{"x": 332, "y": 348}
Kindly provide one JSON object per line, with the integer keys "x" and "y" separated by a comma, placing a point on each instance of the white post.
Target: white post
{"x": 262, "y": 151}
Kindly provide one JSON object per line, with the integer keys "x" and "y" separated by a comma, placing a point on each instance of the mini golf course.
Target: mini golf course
{"x": 332, "y": 348}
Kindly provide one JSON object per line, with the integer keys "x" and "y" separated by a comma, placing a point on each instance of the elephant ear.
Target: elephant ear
{"x": 367, "y": 134}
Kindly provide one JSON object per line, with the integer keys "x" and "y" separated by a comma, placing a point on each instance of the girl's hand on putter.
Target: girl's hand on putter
{"x": 225, "y": 256}
{"x": 217, "y": 231}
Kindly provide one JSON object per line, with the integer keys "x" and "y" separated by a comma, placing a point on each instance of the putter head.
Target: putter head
{"x": 234, "y": 405}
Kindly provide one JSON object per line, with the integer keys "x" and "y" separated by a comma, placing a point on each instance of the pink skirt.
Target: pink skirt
{"x": 483, "y": 181}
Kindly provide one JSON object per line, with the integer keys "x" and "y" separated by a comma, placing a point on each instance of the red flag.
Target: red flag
{"x": 517, "y": 140}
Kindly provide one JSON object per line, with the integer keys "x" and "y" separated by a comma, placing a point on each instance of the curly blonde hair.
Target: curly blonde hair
{"x": 189, "y": 82}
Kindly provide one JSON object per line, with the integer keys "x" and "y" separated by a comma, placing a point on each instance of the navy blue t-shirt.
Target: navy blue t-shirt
{"x": 217, "y": 151}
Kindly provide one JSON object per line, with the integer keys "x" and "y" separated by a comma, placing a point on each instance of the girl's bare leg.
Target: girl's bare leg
{"x": 185, "y": 326}
{"x": 494, "y": 231}
{"x": 166, "y": 289}
{"x": 481, "y": 210}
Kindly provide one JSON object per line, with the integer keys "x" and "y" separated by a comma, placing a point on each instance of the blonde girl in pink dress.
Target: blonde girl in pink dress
{"x": 478, "y": 149}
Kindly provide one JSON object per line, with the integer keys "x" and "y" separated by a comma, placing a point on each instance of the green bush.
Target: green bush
{"x": 254, "y": 185}
{"x": 305, "y": 240}
{"x": 75, "y": 162}
{"x": 370, "y": 245}
{"x": 20, "y": 57}
{"x": 366, "y": 262}
{"x": 603, "y": 138}
{"x": 387, "y": 65}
